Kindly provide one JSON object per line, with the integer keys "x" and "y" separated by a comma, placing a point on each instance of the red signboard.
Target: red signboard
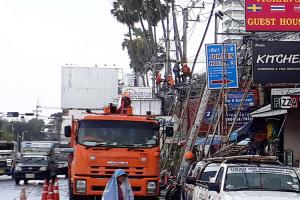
{"x": 272, "y": 15}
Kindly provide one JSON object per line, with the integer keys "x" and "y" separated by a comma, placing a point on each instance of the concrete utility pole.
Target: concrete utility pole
{"x": 185, "y": 14}
{"x": 184, "y": 34}
{"x": 168, "y": 67}
{"x": 176, "y": 35}
{"x": 219, "y": 15}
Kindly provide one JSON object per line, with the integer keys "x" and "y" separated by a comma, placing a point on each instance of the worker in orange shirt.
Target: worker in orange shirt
{"x": 158, "y": 81}
{"x": 171, "y": 81}
{"x": 186, "y": 72}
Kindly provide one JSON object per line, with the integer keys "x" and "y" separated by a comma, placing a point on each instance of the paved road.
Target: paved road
{"x": 10, "y": 191}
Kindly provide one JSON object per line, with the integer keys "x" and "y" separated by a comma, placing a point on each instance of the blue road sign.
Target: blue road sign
{"x": 221, "y": 62}
{"x": 234, "y": 99}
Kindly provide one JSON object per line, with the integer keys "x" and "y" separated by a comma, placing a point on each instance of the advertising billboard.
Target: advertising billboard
{"x": 221, "y": 61}
{"x": 272, "y": 15}
{"x": 276, "y": 62}
{"x": 88, "y": 87}
{"x": 234, "y": 99}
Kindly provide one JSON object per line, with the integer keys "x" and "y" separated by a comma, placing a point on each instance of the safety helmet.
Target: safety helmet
{"x": 189, "y": 155}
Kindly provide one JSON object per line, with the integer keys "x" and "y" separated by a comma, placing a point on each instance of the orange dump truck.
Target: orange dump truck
{"x": 114, "y": 140}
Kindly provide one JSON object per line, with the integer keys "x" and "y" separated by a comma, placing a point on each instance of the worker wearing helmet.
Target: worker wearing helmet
{"x": 171, "y": 81}
{"x": 186, "y": 72}
{"x": 158, "y": 81}
{"x": 189, "y": 158}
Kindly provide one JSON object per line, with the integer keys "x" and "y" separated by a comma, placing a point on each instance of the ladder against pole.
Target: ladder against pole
{"x": 198, "y": 120}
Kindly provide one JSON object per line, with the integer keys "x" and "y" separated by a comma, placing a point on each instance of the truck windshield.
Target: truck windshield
{"x": 261, "y": 178}
{"x": 34, "y": 160}
{"x": 6, "y": 146}
{"x": 117, "y": 133}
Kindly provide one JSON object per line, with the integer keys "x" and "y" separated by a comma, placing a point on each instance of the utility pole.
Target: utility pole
{"x": 184, "y": 34}
{"x": 185, "y": 14}
{"x": 176, "y": 35}
{"x": 219, "y": 15}
{"x": 168, "y": 68}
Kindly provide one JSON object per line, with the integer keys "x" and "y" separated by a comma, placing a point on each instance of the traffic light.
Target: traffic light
{"x": 12, "y": 114}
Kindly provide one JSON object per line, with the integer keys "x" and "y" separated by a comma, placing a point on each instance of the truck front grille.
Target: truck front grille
{"x": 2, "y": 163}
{"x": 30, "y": 169}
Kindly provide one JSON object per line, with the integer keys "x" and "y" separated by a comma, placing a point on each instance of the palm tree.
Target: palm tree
{"x": 143, "y": 47}
{"x": 125, "y": 15}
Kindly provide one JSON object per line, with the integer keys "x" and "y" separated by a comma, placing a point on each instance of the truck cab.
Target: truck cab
{"x": 7, "y": 157}
{"x": 105, "y": 143}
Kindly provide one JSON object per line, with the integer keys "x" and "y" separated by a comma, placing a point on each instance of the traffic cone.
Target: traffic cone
{"x": 45, "y": 190}
{"x": 23, "y": 194}
{"x": 50, "y": 191}
{"x": 56, "y": 190}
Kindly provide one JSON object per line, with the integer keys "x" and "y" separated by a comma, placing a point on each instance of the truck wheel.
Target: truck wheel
{"x": 17, "y": 181}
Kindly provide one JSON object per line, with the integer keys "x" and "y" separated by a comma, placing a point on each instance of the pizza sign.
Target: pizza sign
{"x": 285, "y": 102}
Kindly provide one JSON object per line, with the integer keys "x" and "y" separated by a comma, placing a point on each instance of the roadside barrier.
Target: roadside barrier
{"x": 23, "y": 194}
{"x": 45, "y": 190}
{"x": 56, "y": 190}
{"x": 50, "y": 191}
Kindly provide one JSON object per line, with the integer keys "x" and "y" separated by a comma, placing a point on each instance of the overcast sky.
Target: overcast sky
{"x": 38, "y": 37}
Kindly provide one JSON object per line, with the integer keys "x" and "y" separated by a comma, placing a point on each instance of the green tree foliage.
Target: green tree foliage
{"x": 32, "y": 129}
{"x": 5, "y": 130}
{"x": 140, "y": 43}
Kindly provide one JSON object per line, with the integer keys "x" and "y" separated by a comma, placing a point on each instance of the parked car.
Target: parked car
{"x": 250, "y": 179}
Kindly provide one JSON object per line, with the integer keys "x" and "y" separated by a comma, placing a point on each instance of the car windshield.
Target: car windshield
{"x": 34, "y": 160}
{"x": 261, "y": 178}
{"x": 117, "y": 133}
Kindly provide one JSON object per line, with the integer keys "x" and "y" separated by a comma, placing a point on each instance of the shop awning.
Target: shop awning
{"x": 267, "y": 112}
{"x": 240, "y": 133}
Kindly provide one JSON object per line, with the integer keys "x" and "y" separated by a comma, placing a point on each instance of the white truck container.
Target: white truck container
{"x": 88, "y": 87}
{"x": 140, "y": 107}
{"x": 142, "y": 100}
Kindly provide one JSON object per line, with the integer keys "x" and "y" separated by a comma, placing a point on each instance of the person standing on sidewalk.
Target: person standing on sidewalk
{"x": 118, "y": 187}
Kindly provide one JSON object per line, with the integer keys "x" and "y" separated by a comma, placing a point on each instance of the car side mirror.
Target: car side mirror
{"x": 169, "y": 131}
{"x": 214, "y": 187}
{"x": 190, "y": 180}
{"x": 67, "y": 131}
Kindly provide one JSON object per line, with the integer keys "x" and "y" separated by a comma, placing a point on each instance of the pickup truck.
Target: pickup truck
{"x": 250, "y": 180}
{"x": 32, "y": 167}
{"x": 202, "y": 173}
